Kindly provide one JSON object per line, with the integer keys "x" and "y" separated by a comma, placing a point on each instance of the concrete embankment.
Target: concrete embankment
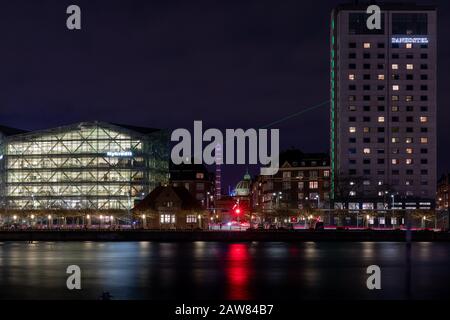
{"x": 225, "y": 236}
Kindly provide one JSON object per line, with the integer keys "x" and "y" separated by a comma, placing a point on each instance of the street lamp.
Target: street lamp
{"x": 424, "y": 219}
{"x": 144, "y": 221}
{"x": 199, "y": 217}
{"x": 318, "y": 201}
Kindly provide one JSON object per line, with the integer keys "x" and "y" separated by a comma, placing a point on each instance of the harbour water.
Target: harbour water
{"x": 217, "y": 270}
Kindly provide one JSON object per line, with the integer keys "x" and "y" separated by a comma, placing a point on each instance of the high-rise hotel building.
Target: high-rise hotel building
{"x": 383, "y": 106}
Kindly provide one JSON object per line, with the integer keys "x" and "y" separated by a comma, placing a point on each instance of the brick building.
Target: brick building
{"x": 302, "y": 183}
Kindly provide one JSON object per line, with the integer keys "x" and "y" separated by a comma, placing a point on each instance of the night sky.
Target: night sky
{"x": 167, "y": 63}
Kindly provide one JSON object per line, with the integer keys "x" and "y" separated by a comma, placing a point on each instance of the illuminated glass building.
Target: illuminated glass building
{"x": 85, "y": 166}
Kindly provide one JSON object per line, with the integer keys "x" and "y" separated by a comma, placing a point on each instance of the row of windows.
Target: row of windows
{"x": 380, "y": 66}
{"x": 395, "y": 108}
{"x": 394, "y": 182}
{"x": 301, "y": 185}
{"x": 382, "y": 119}
{"x": 394, "y": 140}
{"x": 369, "y": 150}
{"x": 382, "y": 151}
{"x": 301, "y": 174}
{"x": 383, "y": 129}
{"x": 393, "y": 130}
{"x": 407, "y": 161}
{"x": 313, "y": 196}
{"x": 394, "y": 76}
{"x": 394, "y": 172}
{"x": 395, "y": 66}
{"x": 312, "y": 185}
{"x": 381, "y": 182}
{"x": 381, "y": 45}
{"x": 394, "y": 161}
{"x": 395, "y": 87}
{"x": 167, "y": 218}
{"x": 381, "y": 194}
{"x": 367, "y": 55}
{"x": 407, "y": 98}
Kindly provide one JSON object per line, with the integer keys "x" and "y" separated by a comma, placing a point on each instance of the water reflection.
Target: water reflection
{"x": 213, "y": 270}
{"x": 238, "y": 271}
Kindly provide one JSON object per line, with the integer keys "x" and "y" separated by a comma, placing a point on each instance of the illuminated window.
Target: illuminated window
{"x": 410, "y": 66}
{"x": 423, "y": 140}
{"x": 167, "y": 218}
{"x": 366, "y": 45}
{"x": 409, "y": 161}
{"x": 409, "y": 46}
{"x": 366, "y": 151}
{"x": 394, "y": 161}
{"x": 352, "y": 108}
{"x": 326, "y": 173}
{"x": 191, "y": 218}
{"x": 351, "y": 77}
{"x": 381, "y": 77}
{"x": 313, "y": 184}
{"x": 395, "y": 140}
{"x": 409, "y": 98}
{"x": 423, "y": 119}
{"x": 352, "y": 129}
{"x": 200, "y": 175}
{"x": 380, "y": 119}
{"x": 409, "y": 150}
{"x": 395, "y": 98}
{"x": 395, "y": 67}
{"x": 409, "y": 140}
{"x": 395, "y": 87}
{"x": 366, "y": 129}
{"x": 394, "y": 108}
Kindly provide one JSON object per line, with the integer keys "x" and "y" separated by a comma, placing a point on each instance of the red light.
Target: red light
{"x": 237, "y": 210}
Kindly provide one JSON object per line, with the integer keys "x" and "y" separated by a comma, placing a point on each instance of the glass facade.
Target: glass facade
{"x": 94, "y": 166}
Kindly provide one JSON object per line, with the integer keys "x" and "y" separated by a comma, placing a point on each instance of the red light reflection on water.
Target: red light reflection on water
{"x": 238, "y": 271}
